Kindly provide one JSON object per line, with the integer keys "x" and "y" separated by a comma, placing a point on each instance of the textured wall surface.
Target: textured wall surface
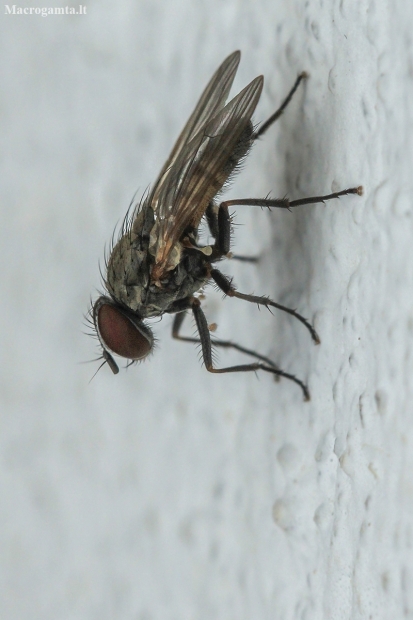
{"x": 165, "y": 493}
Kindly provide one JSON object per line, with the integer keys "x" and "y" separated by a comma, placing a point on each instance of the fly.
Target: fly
{"x": 158, "y": 264}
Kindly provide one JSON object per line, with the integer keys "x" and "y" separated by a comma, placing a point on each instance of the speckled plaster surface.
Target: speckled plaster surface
{"x": 166, "y": 493}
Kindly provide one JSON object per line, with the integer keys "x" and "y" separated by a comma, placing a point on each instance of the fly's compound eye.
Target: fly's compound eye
{"x": 120, "y": 333}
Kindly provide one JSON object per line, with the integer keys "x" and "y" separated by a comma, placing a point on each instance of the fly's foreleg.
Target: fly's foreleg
{"x": 205, "y": 340}
{"x": 225, "y": 344}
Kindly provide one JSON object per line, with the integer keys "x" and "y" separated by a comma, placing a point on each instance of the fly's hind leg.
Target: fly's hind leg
{"x": 257, "y": 134}
{"x": 222, "y": 245}
{"x": 219, "y": 219}
{"x": 219, "y": 224}
{"x": 206, "y": 344}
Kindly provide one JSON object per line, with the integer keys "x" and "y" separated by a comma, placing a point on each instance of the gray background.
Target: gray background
{"x": 165, "y": 492}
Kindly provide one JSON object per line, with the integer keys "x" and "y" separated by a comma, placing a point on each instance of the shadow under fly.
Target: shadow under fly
{"x": 158, "y": 265}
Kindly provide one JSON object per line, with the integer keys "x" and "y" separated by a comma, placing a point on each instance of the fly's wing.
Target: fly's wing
{"x": 212, "y": 100}
{"x": 199, "y": 171}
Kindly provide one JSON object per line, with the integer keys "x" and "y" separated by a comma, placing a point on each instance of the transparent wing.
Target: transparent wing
{"x": 199, "y": 170}
{"x": 211, "y": 101}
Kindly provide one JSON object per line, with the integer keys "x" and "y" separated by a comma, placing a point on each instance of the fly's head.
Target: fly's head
{"x": 120, "y": 332}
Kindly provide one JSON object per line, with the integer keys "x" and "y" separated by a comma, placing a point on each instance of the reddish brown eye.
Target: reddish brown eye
{"x": 121, "y": 335}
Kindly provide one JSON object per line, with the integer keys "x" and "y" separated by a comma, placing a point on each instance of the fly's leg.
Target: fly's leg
{"x": 222, "y": 219}
{"x": 285, "y": 203}
{"x": 244, "y": 259}
{"x": 226, "y": 344}
{"x": 219, "y": 224}
{"x": 281, "y": 109}
{"x": 211, "y": 215}
{"x": 226, "y": 286}
{"x": 222, "y": 245}
{"x": 205, "y": 340}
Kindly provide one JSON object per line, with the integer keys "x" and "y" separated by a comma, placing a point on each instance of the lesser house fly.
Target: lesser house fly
{"x": 158, "y": 264}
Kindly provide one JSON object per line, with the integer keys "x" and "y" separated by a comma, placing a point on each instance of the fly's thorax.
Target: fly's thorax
{"x": 128, "y": 272}
{"x": 157, "y": 244}
{"x": 143, "y": 224}
{"x": 128, "y": 267}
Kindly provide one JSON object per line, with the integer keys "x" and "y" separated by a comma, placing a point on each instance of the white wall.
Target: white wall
{"x": 167, "y": 493}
